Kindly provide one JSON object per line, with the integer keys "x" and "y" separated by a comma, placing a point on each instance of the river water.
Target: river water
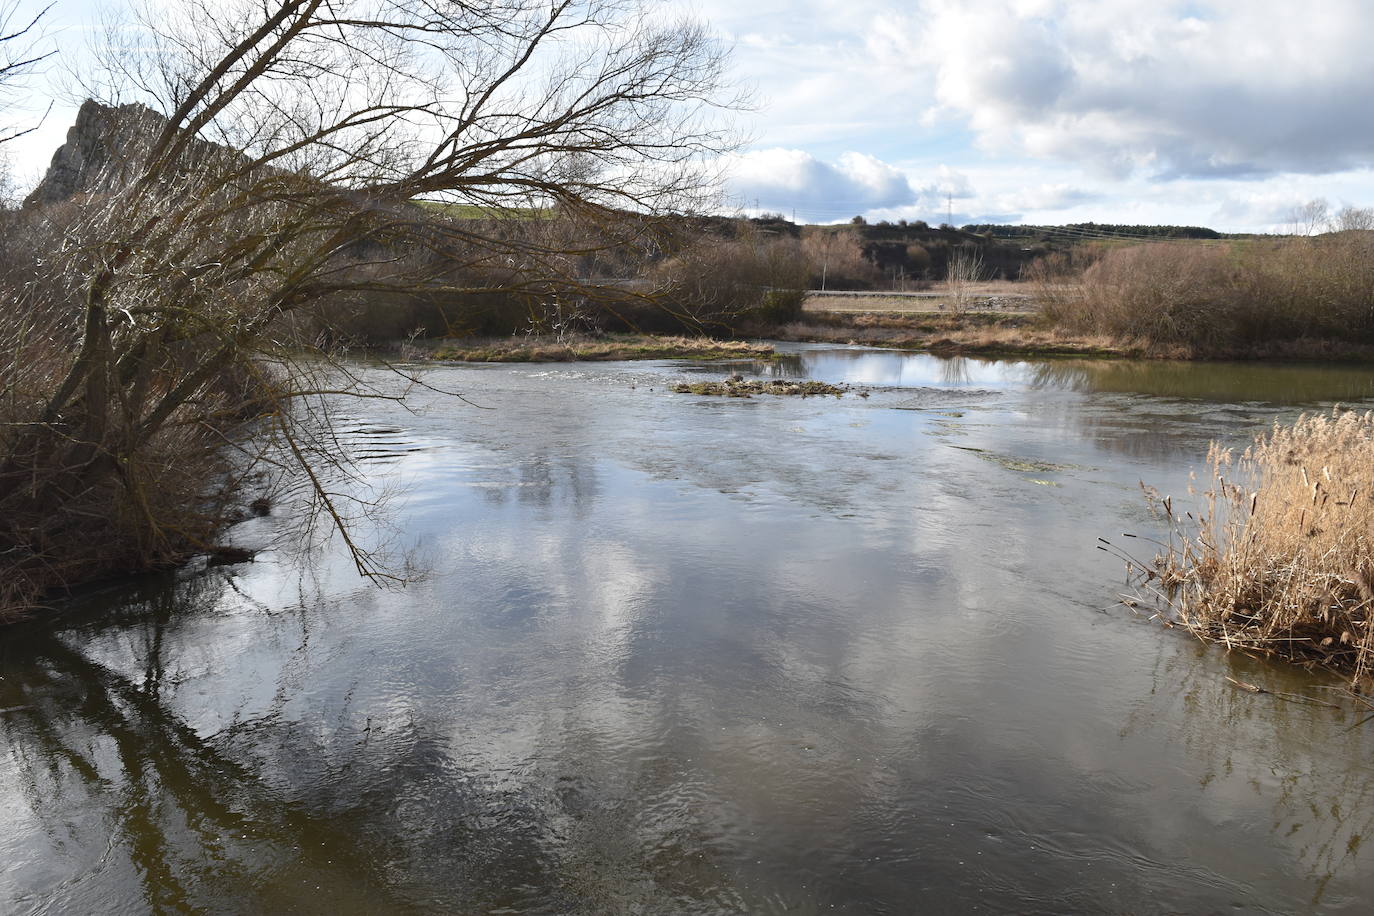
{"x": 664, "y": 653}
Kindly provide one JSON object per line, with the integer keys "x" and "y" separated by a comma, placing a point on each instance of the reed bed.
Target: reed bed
{"x": 1280, "y": 561}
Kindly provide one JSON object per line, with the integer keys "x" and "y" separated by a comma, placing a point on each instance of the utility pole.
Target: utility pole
{"x": 949, "y": 213}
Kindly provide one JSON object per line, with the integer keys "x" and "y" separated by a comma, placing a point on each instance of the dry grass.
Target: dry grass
{"x": 1280, "y": 560}
{"x": 985, "y": 333}
{"x": 988, "y": 295}
{"x": 587, "y": 348}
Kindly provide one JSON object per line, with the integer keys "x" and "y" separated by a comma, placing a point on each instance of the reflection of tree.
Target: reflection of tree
{"x": 955, "y": 371}
{"x": 547, "y": 480}
{"x": 315, "y": 813}
{"x": 784, "y": 365}
{"x": 194, "y": 818}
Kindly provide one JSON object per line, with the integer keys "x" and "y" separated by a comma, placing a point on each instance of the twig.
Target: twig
{"x": 1290, "y": 697}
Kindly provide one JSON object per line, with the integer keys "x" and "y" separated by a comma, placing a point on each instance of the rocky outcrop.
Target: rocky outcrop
{"x": 107, "y": 148}
{"x": 103, "y": 147}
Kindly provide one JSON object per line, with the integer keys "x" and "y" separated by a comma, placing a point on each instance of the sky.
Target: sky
{"x": 1224, "y": 113}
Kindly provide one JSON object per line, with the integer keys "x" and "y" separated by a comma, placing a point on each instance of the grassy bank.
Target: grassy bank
{"x": 588, "y": 348}
{"x": 970, "y": 333}
{"x": 1023, "y": 333}
{"x": 985, "y": 296}
{"x": 1279, "y": 559}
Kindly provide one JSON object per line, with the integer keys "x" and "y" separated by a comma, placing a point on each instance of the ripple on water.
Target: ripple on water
{"x": 675, "y": 655}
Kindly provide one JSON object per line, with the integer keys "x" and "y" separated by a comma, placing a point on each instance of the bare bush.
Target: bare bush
{"x": 964, "y": 270}
{"x": 719, "y": 283}
{"x": 1204, "y": 299}
{"x": 838, "y": 260}
{"x": 1057, "y": 281}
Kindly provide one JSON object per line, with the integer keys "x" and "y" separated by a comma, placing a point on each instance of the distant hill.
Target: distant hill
{"x": 1092, "y": 231}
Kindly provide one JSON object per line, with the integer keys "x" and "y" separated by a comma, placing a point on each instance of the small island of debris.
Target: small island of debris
{"x": 737, "y": 387}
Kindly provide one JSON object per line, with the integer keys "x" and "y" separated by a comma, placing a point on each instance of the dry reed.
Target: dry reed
{"x": 1280, "y": 561}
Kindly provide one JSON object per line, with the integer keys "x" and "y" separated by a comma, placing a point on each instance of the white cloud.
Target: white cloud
{"x": 1047, "y": 197}
{"x": 789, "y": 179}
{"x": 1175, "y": 89}
{"x": 1172, "y": 111}
{"x": 1215, "y": 112}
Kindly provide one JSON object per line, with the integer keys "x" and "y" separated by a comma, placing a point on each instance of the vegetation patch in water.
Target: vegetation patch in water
{"x": 600, "y": 349}
{"x": 1280, "y": 558}
{"x": 1012, "y": 463}
{"x": 736, "y": 387}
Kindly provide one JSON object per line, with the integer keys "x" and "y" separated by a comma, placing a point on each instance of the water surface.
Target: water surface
{"x": 672, "y": 654}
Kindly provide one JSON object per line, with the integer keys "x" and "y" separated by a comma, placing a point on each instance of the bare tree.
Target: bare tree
{"x": 1353, "y": 218}
{"x": 1310, "y": 218}
{"x": 839, "y": 252}
{"x": 22, "y": 49}
{"x": 282, "y": 148}
{"x": 965, "y": 269}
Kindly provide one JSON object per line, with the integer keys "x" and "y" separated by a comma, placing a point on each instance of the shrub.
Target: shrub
{"x": 838, "y": 260}
{"x": 60, "y": 524}
{"x": 717, "y": 283}
{"x": 1217, "y": 298}
{"x": 917, "y": 258}
{"x": 780, "y": 306}
{"x": 1281, "y": 558}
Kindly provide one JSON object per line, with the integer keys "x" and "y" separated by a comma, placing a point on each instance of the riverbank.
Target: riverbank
{"x": 988, "y": 296}
{"x": 1288, "y": 298}
{"x": 988, "y": 333}
{"x": 1028, "y": 333}
{"x": 587, "y": 348}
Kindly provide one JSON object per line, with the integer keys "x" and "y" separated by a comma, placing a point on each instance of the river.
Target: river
{"x": 667, "y": 653}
